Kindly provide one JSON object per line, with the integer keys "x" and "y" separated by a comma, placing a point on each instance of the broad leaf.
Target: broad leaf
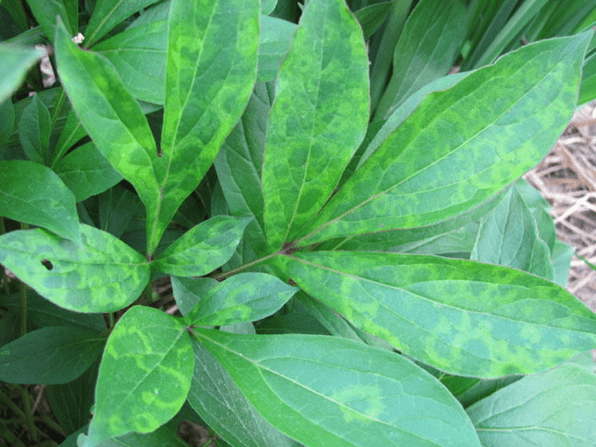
{"x": 86, "y": 172}
{"x": 465, "y": 160}
{"x": 313, "y": 387}
{"x": 99, "y": 274}
{"x": 139, "y": 56}
{"x": 203, "y": 248}
{"x": 16, "y": 61}
{"x": 274, "y": 41}
{"x": 144, "y": 376}
{"x": 215, "y": 45}
{"x": 555, "y": 409}
{"x": 214, "y": 396}
{"x": 46, "y": 11}
{"x": 242, "y": 298}
{"x": 34, "y": 131}
{"x": 509, "y": 236}
{"x": 50, "y": 355}
{"x": 459, "y": 316}
{"x": 33, "y": 194}
{"x": 318, "y": 119}
{"x": 109, "y": 13}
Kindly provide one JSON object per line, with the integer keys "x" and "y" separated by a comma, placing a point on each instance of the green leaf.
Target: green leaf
{"x": 318, "y": 119}
{"x": 210, "y": 73}
{"x": 274, "y": 41}
{"x": 16, "y": 62}
{"x": 111, "y": 116}
{"x": 144, "y": 376}
{"x": 189, "y": 291}
{"x": 45, "y": 12}
{"x": 555, "y": 409}
{"x": 50, "y": 355}
{"x": 459, "y": 316}
{"x": 34, "y": 131}
{"x": 203, "y": 248}
{"x": 33, "y": 194}
{"x": 108, "y": 14}
{"x": 372, "y": 17}
{"x": 99, "y": 274}
{"x": 267, "y": 6}
{"x": 314, "y": 387}
{"x": 238, "y": 166}
{"x": 509, "y": 236}
{"x": 425, "y": 51}
{"x": 162, "y": 437}
{"x": 86, "y": 172}
{"x": 241, "y": 298}
{"x": 7, "y": 116}
{"x": 401, "y": 187}
{"x": 215, "y": 396}
{"x": 139, "y": 56}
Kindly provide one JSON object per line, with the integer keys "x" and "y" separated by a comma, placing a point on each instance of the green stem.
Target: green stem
{"x": 28, "y": 415}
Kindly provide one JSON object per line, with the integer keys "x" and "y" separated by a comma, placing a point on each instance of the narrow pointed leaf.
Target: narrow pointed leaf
{"x": 34, "y": 131}
{"x": 555, "y": 409}
{"x": 33, "y": 194}
{"x": 111, "y": 116}
{"x": 313, "y": 387}
{"x": 16, "y": 61}
{"x": 144, "y": 376}
{"x": 50, "y": 355}
{"x": 109, "y": 13}
{"x": 99, "y": 274}
{"x": 318, "y": 119}
{"x": 242, "y": 298}
{"x": 214, "y": 396}
{"x": 459, "y": 316}
{"x": 203, "y": 248}
{"x": 477, "y": 139}
{"x": 46, "y": 11}
{"x": 210, "y": 44}
{"x": 371, "y": 17}
{"x": 7, "y": 118}
{"x": 274, "y": 42}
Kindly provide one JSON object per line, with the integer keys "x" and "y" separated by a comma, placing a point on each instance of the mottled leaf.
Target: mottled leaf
{"x": 16, "y": 61}
{"x": 34, "y": 131}
{"x": 555, "y": 409}
{"x": 144, "y": 376}
{"x": 331, "y": 392}
{"x": 274, "y": 42}
{"x": 479, "y": 136}
{"x": 99, "y": 274}
{"x": 241, "y": 298}
{"x": 203, "y": 248}
{"x": 86, "y": 172}
{"x": 50, "y": 355}
{"x": 215, "y": 396}
{"x": 318, "y": 119}
{"x": 33, "y": 194}
{"x": 210, "y": 73}
{"x": 459, "y": 316}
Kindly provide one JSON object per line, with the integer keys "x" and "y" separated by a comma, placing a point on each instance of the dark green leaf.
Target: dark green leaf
{"x": 371, "y": 17}
{"x": 314, "y": 387}
{"x": 162, "y": 437}
{"x": 242, "y": 298}
{"x": 34, "y": 131}
{"x": 458, "y": 316}
{"x": 7, "y": 116}
{"x": 144, "y": 377}
{"x": 318, "y": 119}
{"x": 274, "y": 41}
{"x": 99, "y": 274}
{"x": 203, "y": 248}
{"x": 50, "y": 355}
{"x": 16, "y": 61}
{"x": 210, "y": 73}
{"x": 86, "y": 172}
{"x": 476, "y": 139}
{"x": 214, "y": 396}
{"x": 33, "y": 194}
{"x": 555, "y": 409}
{"x": 46, "y": 11}
{"x": 188, "y": 292}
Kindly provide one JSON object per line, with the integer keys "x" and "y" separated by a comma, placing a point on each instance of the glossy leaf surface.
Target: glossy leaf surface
{"x": 203, "y": 248}
{"x": 242, "y": 298}
{"x": 466, "y": 160}
{"x": 210, "y": 44}
{"x": 556, "y": 408}
{"x": 459, "y": 316}
{"x": 16, "y": 61}
{"x": 318, "y": 119}
{"x": 99, "y": 274}
{"x": 33, "y": 194}
{"x": 312, "y": 387}
{"x": 50, "y": 355}
{"x": 146, "y": 350}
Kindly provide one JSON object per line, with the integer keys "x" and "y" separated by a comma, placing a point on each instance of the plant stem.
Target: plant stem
{"x": 28, "y": 415}
{"x": 232, "y": 272}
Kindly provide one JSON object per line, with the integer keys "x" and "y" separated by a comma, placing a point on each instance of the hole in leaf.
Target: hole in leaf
{"x": 47, "y": 264}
